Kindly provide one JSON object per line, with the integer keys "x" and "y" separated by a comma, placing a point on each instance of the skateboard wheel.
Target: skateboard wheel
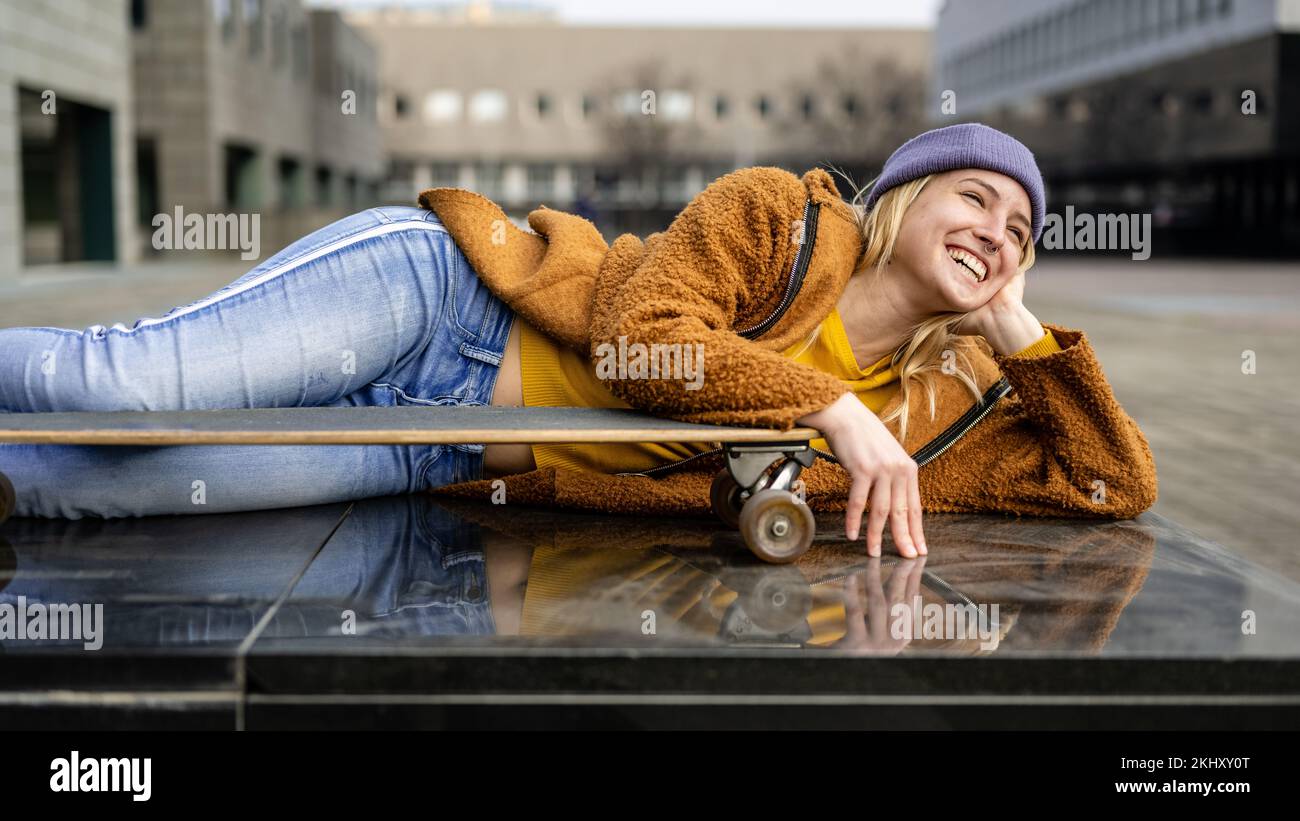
{"x": 776, "y": 526}
{"x": 8, "y": 499}
{"x": 724, "y": 496}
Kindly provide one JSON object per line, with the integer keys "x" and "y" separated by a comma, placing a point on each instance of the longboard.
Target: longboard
{"x": 404, "y": 425}
{"x": 775, "y": 523}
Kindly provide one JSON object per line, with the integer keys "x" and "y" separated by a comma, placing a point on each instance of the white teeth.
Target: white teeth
{"x": 972, "y": 264}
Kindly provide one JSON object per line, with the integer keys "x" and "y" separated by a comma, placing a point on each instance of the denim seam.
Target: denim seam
{"x": 454, "y": 273}
{"x": 270, "y": 276}
{"x": 445, "y": 399}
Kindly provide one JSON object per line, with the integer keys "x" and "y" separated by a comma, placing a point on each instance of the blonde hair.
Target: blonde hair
{"x": 921, "y": 354}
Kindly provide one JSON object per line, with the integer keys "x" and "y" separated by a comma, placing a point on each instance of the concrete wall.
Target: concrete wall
{"x": 171, "y": 101}
{"x": 79, "y": 49}
{"x": 346, "y": 144}
{"x": 205, "y": 83}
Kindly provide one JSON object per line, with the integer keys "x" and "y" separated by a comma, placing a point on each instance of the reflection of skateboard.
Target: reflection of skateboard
{"x": 775, "y": 524}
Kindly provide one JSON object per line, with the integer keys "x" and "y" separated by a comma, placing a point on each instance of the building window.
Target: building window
{"x": 1151, "y": 18}
{"x": 253, "y": 17}
{"x": 1174, "y": 13}
{"x": 807, "y": 106}
{"x": 224, "y": 14}
{"x": 441, "y": 106}
{"x": 350, "y": 191}
{"x": 300, "y": 62}
{"x": 243, "y": 178}
{"x": 324, "y": 186}
{"x": 445, "y": 175}
{"x": 541, "y": 181}
{"x": 628, "y": 103}
{"x": 139, "y": 14}
{"x": 290, "y": 172}
{"x": 850, "y": 106}
{"x": 763, "y": 106}
{"x": 677, "y": 105}
{"x": 720, "y": 107}
{"x": 279, "y": 37}
{"x": 1202, "y": 100}
{"x": 590, "y": 106}
{"x": 488, "y": 178}
{"x": 487, "y": 106}
{"x": 542, "y": 105}
{"x": 400, "y": 106}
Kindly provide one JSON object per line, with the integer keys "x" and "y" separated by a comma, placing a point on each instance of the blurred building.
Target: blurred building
{"x": 254, "y": 106}
{"x": 114, "y": 111}
{"x": 66, "y": 173}
{"x": 627, "y": 124}
{"x": 1185, "y": 109}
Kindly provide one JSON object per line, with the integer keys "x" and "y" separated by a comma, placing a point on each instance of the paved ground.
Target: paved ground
{"x": 1170, "y": 336}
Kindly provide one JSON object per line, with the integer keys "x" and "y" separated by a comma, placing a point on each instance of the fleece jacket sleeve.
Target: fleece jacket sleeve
{"x": 1058, "y": 445}
{"x": 719, "y": 265}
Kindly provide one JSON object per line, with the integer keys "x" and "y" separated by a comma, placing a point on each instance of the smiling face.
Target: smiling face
{"x": 944, "y": 240}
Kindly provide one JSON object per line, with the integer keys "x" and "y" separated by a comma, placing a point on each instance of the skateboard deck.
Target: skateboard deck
{"x": 752, "y": 493}
{"x": 404, "y": 425}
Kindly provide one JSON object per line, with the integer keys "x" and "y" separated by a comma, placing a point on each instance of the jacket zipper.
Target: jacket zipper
{"x": 928, "y": 453}
{"x": 968, "y": 420}
{"x": 797, "y": 272}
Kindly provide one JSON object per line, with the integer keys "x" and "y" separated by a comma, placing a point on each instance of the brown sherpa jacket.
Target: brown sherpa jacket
{"x": 749, "y": 267}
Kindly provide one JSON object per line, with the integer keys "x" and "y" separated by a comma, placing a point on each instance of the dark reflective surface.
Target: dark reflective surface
{"x": 407, "y": 594}
{"x": 407, "y": 567}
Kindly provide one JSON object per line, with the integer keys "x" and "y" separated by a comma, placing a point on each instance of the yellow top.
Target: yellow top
{"x": 555, "y": 375}
{"x": 559, "y": 579}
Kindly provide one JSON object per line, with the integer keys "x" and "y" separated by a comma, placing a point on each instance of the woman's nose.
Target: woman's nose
{"x": 992, "y": 238}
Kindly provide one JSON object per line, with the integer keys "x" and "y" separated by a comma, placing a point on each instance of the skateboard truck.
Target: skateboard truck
{"x": 775, "y": 523}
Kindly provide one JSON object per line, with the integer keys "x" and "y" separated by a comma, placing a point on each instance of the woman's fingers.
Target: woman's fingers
{"x": 914, "y": 494}
{"x": 858, "y": 492}
{"x": 900, "y": 517}
{"x": 877, "y": 515}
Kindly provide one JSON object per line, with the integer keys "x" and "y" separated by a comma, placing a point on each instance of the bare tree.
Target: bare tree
{"x": 856, "y": 108}
{"x": 639, "y": 140}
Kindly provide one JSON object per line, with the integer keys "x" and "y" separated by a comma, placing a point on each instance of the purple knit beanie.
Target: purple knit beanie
{"x": 966, "y": 145}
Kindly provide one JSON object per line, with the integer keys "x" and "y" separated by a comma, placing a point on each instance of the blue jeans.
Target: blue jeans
{"x": 379, "y": 308}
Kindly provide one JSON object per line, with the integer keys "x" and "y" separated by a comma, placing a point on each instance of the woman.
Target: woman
{"x": 771, "y": 276}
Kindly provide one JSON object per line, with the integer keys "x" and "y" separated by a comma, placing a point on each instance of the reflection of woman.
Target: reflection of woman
{"x": 1059, "y": 586}
{"x": 785, "y": 289}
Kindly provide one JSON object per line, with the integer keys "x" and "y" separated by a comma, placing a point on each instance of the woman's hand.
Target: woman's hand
{"x": 880, "y": 469}
{"x": 1009, "y": 298}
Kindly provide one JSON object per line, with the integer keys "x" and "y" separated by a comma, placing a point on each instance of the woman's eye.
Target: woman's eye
{"x": 976, "y": 196}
